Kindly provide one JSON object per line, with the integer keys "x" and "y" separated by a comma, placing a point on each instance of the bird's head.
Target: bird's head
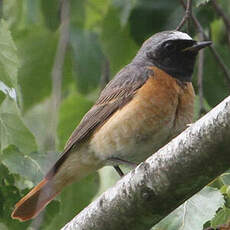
{"x": 172, "y": 51}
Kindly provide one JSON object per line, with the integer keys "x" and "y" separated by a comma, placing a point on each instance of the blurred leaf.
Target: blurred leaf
{"x": 117, "y": 42}
{"x": 215, "y": 86}
{"x": 51, "y": 211}
{"x": 108, "y": 177}
{"x": 222, "y": 217}
{"x": 9, "y": 195}
{"x": 9, "y": 62}
{"x": 37, "y": 48}
{"x": 23, "y": 165}
{"x": 12, "y": 12}
{"x": 125, "y": 7}
{"x": 201, "y": 2}
{"x": 197, "y": 107}
{"x": 87, "y": 59}
{"x": 13, "y": 131}
{"x": 77, "y": 13}
{"x": 150, "y": 17}
{"x": 72, "y": 109}
{"x": 225, "y": 178}
{"x": 51, "y": 13}
{"x": 193, "y": 213}
{"x": 33, "y": 12}
{"x": 218, "y": 31}
{"x": 37, "y": 120}
{"x": 2, "y": 97}
{"x": 3, "y": 227}
{"x": 73, "y": 199}
{"x": 95, "y": 12}
{"x": 205, "y": 14}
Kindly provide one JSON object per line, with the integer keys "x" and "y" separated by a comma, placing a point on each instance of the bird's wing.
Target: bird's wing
{"x": 116, "y": 94}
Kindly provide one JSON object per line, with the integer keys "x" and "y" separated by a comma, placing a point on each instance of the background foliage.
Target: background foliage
{"x": 104, "y": 36}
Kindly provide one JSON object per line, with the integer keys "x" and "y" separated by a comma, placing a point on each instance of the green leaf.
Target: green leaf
{"x": 2, "y": 97}
{"x": 12, "y": 12}
{"x": 116, "y": 41}
{"x": 13, "y": 130}
{"x": 95, "y": 12}
{"x": 125, "y": 7}
{"x": 37, "y": 48}
{"x": 222, "y": 217}
{"x": 225, "y": 178}
{"x": 201, "y": 2}
{"x": 51, "y": 13}
{"x": 197, "y": 107}
{"x": 108, "y": 178}
{"x": 71, "y": 112}
{"x": 148, "y": 18}
{"x": 9, "y": 62}
{"x": 51, "y": 212}
{"x": 193, "y": 213}
{"x": 215, "y": 87}
{"x": 87, "y": 59}
{"x": 23, "y": 165}
{"x": 9, "y": 195}
{"x": 77, "y": 13}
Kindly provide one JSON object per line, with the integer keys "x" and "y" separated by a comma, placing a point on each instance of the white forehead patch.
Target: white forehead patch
{"x": 179, "y": 35}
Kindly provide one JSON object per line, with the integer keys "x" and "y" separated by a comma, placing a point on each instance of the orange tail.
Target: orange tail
{"x": 31, "y": 205}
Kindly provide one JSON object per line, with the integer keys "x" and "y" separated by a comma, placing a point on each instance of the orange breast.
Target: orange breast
{"x": 160, "y": 110}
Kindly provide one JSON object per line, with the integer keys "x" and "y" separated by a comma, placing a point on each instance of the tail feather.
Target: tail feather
{"x": 31, "y": 205}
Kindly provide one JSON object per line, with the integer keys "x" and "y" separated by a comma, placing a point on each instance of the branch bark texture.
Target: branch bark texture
{"x": 165, "y": 180}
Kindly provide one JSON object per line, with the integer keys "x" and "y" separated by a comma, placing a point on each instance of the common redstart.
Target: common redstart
{"x": 147, "y": 103}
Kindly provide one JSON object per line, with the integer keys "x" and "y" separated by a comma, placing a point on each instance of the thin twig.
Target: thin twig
{"x": 225, "y": 18}
{"x": 187, "y": 14}
{"x": 58, "y": 69}
{"x": 105, "y": 75}
{"x": 212, "y": 49}
{"x": 200, "y": 79}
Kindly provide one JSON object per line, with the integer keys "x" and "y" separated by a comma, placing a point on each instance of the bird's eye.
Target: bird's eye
{"x": 150, "y": 55}
{"x": 169, "y": 46}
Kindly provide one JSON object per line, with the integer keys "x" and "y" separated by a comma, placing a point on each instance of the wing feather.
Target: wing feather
{"x": 116, "y": 94}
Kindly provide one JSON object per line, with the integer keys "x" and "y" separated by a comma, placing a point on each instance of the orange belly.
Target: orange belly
{"x": 160, "y": 110}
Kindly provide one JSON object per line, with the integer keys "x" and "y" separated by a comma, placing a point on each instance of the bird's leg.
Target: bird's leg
{"x": 117, "y": 161}
{"x": 118, "y": 170}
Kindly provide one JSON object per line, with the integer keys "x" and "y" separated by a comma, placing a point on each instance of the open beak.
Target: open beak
{"x": 197, "y": 46}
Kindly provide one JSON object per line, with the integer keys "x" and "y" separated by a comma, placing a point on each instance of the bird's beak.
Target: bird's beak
{"x": 197, "y": 46}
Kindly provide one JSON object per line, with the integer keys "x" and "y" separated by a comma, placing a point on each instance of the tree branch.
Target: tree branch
{"x": 187, "y": 15}
{"x": 212, "y": 49}
{"x": 165, "y": 180}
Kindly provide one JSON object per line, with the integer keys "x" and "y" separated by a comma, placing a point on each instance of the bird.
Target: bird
{"x": 146, "y": 104}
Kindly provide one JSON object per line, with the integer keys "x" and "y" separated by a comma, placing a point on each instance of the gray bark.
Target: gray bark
{"x": 165, "y": 180}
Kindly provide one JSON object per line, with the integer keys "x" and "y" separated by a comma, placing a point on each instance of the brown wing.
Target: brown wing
{"x": 116, "y": 94}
